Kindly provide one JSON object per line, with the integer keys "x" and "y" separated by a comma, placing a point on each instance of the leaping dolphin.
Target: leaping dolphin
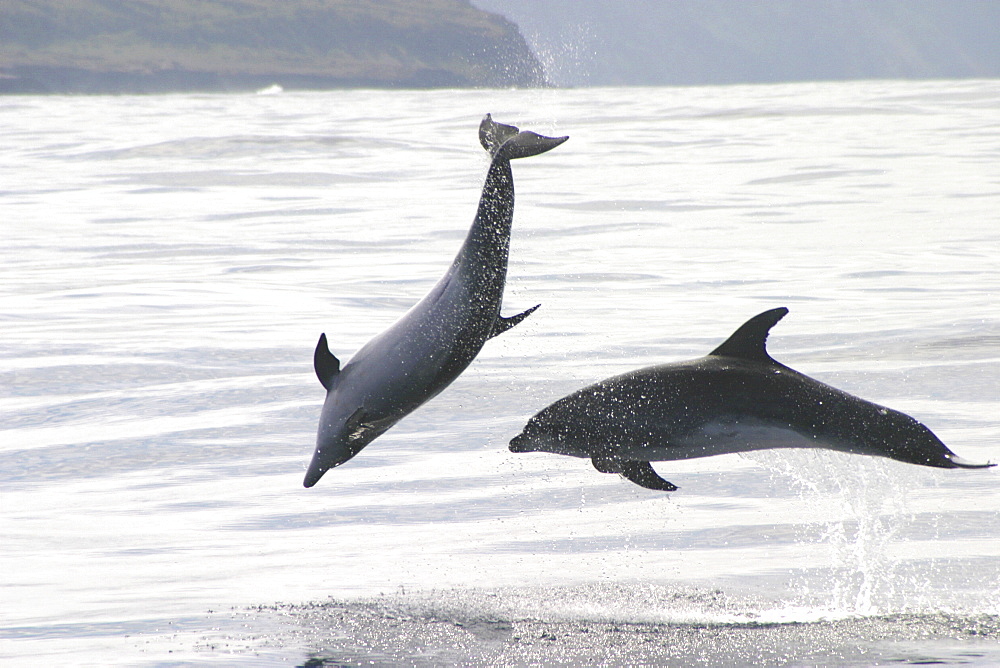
{"x": 735, "y": 399}
{"x": 435, "y": 341}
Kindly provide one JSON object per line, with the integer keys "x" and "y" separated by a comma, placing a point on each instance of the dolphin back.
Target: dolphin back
{"x": 506, "y": 142}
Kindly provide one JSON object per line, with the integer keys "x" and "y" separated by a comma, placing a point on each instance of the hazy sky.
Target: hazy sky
{"x": 726, "y": 41}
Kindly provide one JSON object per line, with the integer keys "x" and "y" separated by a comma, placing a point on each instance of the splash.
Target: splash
{"x": 613, "y": 625}
{"x": 568, "y": 58}
{"x": 864, "y": 510}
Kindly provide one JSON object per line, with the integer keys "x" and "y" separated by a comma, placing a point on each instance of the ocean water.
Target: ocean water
{"x": 168, "y": 263}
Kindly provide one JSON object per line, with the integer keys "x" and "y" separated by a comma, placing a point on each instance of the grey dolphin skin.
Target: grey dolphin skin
{"x": 418, "y": 356}
{"x": 735, "y": 399}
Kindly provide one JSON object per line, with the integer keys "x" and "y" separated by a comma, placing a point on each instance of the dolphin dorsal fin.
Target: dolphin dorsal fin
{"x": 749, "y": 342}
{"x": 327, "y": 366}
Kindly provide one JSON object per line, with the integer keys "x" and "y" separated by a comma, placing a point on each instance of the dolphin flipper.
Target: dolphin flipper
{"x": 502, "y": 324}
{"x": 326, "y": 364}
{"x": 509, "y": 143}
{"x": 641, "y": 473}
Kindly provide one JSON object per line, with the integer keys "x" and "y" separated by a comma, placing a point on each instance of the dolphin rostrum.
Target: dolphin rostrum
{"x": 735, "y": 399}
{"x": 426, "y": 349}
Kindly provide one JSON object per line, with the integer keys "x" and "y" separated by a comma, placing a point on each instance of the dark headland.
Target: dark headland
{"x": 154, "y": 46}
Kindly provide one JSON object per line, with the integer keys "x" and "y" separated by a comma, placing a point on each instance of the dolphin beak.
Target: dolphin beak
{"x": 520, "y": 443}
{"x": 330, "y": 455}
{"x": 960, "y": 463}
{"x": 314, "y": 473}
{"x": 339, "y": 439}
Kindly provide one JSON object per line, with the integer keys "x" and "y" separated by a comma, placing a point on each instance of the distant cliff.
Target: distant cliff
{"x": 102, "y": 46}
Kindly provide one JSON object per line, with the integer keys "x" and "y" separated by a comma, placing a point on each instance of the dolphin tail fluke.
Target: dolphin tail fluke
{"x": 326, "y": 364}
{"x": 492, "y": 135}
{"x": 506, "y": 141}
{"x": 502, "y": 324}
{"x": 960, "y": 463}
{"x": 641, "y": 473}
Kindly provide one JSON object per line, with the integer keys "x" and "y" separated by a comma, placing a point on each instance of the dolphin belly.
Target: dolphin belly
{"x": 725, "y": 437}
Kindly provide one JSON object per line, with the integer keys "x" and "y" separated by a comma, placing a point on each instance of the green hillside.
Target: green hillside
{"x": 156, "y": 45}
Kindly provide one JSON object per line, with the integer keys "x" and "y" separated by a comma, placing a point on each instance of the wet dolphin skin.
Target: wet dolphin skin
{"x": 425, "y": 350}
{"x": 735, "y": 399}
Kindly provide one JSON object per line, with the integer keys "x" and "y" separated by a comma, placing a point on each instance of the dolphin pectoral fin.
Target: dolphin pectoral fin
{"x": 502, "y": 324}
{"x": 606, "y": 464}
{"x": 642, "y": 474}
{"x": 327, "y": 366}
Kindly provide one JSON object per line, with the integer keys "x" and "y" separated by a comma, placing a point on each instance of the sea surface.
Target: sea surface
{"x": 168, "y": 263}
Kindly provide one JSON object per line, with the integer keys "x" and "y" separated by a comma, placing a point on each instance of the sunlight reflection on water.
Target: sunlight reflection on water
{"x": 176, "y": 257}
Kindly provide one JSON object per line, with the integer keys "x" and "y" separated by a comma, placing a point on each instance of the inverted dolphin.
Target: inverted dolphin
{"x": 435, "y": 341}
{"x": 735, "y": 399}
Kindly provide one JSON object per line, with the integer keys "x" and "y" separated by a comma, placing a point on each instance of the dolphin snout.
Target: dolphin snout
{"x": 343, "y": 433}
{"x": 537, "y": 438}
{"x": 521, "y": 443}
{"x": 332, "y": 452}
{"x": 314, "y": 473}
